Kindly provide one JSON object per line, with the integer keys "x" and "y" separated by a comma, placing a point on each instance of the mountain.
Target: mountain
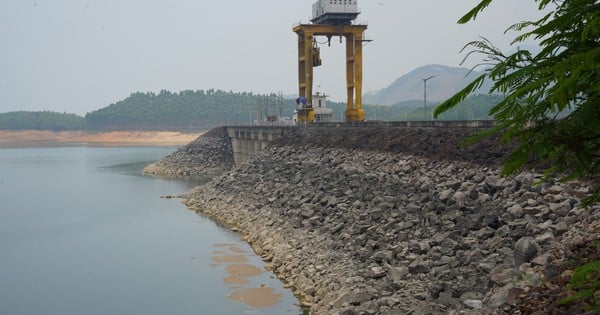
{"x": 445, "y": 83}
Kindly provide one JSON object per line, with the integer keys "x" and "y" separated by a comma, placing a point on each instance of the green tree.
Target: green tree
{"x": 186, "y": 110}
{"x": 23, "y": 120}
{"x": 551, "y": 109}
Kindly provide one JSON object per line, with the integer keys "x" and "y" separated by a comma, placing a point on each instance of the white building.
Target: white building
{"x": 319, "y": 108}
{"x": 322, "y": 113}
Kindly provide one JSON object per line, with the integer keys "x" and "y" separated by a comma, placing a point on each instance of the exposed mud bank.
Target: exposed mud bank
{"x": 35, "y": 138}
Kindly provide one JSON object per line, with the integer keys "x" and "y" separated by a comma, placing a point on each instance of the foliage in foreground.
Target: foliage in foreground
{"x": 551, "y": 110}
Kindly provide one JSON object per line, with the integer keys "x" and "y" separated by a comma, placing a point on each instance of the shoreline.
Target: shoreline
{"x": 194, "y": 160}
{"x": 444, "y": 246}
{"x": 405, "y": 223}
{"x": 119, "y": 138}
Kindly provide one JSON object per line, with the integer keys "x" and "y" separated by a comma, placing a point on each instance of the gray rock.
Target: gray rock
{"x": 395, "y": 312}
{"x": 516, "y": 211}
{"x": 504, "y": 295}
{"x": 383, "y": 256}
{"x": 417, "y": 267}
{"x": 376, "y": 214}
{"x": 369, "y": 234}
{"x": 560, "y": 228}
{"x": 459, "y": 198}
{"x": 377, "y": 272}
{"x": 526, "y": 249}
{"x": 474, "y": 304}
{"x": 542, "y": 260}
{"x": 502, "y": 276}
{"x": 545, "y": 238}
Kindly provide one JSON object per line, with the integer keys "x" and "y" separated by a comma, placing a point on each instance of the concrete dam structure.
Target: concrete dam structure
{"x": 248, "y": 140}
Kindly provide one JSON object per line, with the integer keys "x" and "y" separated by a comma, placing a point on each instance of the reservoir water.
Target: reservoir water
{"x": 81, "y": 232}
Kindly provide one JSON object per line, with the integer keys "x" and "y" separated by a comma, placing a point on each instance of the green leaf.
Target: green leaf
{"x": 550, "y": 108}
{"x": 460, "y": 96}
{"x": 471, "y": 15}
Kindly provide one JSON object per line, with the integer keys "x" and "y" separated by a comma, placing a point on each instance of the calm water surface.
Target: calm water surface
{"x": 82, "y": 233}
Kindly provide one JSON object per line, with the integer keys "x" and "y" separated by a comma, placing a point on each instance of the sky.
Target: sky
{"x": 77, "y": 56}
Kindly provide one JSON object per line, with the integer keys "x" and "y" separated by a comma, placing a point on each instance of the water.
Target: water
{"x": 82, "y": 233}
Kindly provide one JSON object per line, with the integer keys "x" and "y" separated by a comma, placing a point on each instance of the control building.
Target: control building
{"x": 334, "y": 12}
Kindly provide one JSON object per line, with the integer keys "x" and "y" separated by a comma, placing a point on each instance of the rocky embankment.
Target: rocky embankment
{"x": 400, "y": 222}
{"x": 207, "y": 156}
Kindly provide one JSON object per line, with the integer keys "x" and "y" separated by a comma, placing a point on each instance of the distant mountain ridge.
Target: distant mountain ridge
{"x": 445, "y": 83}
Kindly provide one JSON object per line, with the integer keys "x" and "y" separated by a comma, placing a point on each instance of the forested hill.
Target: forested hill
{"x": 187, "y": 110}
{"x": 192, "y": 111}
{"x": 197, "y": 110}
{"x": 23, "y": 120}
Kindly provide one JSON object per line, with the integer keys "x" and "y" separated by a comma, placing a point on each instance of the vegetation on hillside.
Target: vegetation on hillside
{"x": 185, "y": 110}
{"x": 191, "y": 110}
{"x": 45, "y": 120}
{"x": 202, "y": 110}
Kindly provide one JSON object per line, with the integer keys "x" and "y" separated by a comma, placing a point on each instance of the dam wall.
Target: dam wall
{"x": 376, "y": 219}
{"x": 221, "y": 148}
{"x": 246, "y": 141}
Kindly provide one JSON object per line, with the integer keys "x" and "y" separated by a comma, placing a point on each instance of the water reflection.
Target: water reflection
{"x": 82, "y": 233}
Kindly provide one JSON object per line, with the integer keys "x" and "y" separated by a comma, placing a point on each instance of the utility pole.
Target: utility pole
{"x": 425, "y": 96}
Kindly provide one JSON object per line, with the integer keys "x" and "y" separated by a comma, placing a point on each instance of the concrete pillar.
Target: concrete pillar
{"x": 236, "y": 147}
{"x": 247, "y": 141}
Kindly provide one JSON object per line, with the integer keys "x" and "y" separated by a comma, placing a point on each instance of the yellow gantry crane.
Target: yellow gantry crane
{"x": 331, "y": 18}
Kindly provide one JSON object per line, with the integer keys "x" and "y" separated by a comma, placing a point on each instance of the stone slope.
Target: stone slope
{"x": 365, "y": 228}
{"x": 206, "y": 156}
{"x": 439, "y": 143}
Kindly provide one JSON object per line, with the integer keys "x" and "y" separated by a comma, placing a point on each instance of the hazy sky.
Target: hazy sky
{"x": 81, "y": 55}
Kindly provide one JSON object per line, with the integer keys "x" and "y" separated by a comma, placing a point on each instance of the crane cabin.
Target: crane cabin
{"x": 335, "y": 12}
